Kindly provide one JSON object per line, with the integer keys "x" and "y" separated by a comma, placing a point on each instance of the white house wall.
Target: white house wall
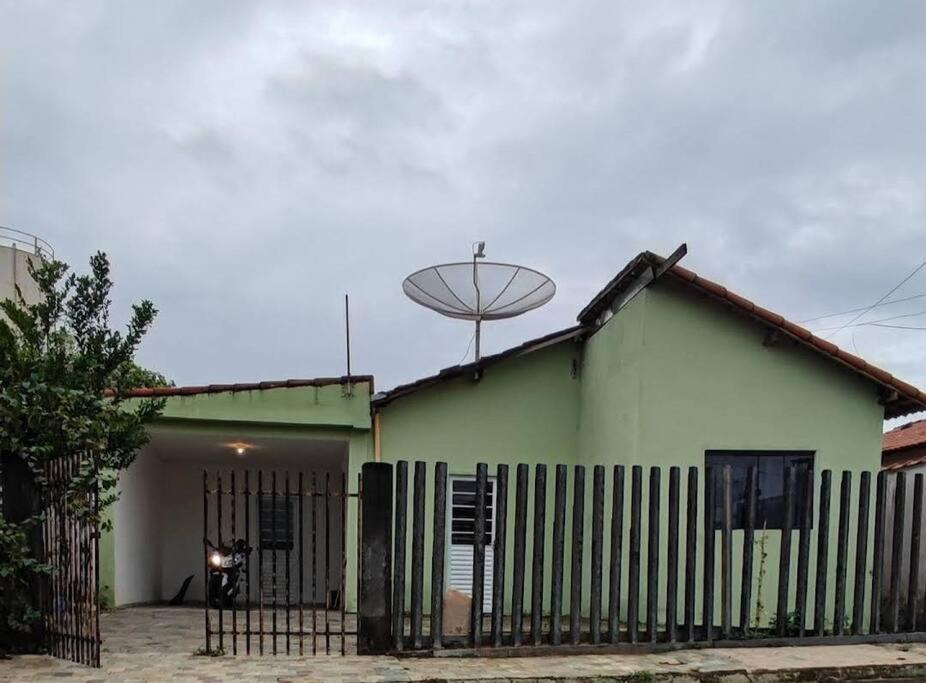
{"x": 890, "y": 488}
{"x": 158, "y": 529}
{"x": 137, "y": 532}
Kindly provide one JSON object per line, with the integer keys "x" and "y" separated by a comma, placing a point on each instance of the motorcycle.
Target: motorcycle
{"x": 226, "y": 565}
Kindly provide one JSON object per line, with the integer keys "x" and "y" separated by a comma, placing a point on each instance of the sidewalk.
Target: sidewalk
{"x": 757, "y": 665}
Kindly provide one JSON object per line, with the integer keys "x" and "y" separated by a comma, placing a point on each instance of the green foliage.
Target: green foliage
{"x": 18, "y": 569}
{"x": 214, "y": 652}
{"x": 760, "y": 584}
{"x": 136, "y": 376}
{"x": 64, "y": 373}
{"x": 792, "y": 623}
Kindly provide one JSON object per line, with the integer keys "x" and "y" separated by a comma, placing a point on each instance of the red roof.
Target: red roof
{"x": 905, "y": 436}
{"x": 908, "y": 398}
{"x": 143, "y": 392}
{"x": 899, "y": 397}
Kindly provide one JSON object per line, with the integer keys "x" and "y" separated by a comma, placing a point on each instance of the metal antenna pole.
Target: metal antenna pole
{"x": 477, "y": 338}
{"x": 478, "y": 303}
{"x": 347, "y": 338}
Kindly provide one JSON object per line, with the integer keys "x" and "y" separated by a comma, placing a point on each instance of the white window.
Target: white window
{"x": 462, "y": 526}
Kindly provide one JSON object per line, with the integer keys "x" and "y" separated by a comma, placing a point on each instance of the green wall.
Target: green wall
{"x": 324, "y": 412}
{"x": 669, "y": 376}
{"x": 524, "y": 409}
{"x": 323, "y": 405}
{"x": 674, "y": 374}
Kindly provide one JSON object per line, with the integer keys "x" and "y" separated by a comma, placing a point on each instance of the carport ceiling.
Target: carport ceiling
{"x": 219, "y": 445}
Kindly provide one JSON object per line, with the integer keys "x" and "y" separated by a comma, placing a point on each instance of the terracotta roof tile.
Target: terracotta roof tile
{"x": 905, "y": 436}
{"x": 915, "y": 399}
{"x": 193, "y": 390}
{"x": 904, "y": 463}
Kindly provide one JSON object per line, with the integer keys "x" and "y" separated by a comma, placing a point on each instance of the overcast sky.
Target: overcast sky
{"x": 246, "y": 164}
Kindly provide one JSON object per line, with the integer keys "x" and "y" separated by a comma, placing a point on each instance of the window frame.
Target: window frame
{"x": 769, "y": 508}
{"x": 284, "y": 505}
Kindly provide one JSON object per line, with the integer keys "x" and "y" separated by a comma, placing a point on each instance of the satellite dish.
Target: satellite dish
{"x": 479, "y": 290}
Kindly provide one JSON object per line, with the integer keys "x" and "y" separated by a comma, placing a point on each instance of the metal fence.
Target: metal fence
{"x": 71, "y": 594}
{"x": 676, "y": 594}
{"x": 286, "y": 535}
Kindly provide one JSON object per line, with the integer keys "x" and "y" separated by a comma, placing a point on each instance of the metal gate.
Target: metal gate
{"x": 275, "y": 562}
{"x": 71, "y": 596}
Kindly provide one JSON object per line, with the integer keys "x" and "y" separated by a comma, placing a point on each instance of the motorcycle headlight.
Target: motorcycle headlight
{"x": 216, "y": 560}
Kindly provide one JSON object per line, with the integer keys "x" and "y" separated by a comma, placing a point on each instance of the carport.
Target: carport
{"x": 277, "y": 432}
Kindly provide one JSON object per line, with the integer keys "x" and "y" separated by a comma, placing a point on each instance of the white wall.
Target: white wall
{"x": 162, "y": 502}
{"x": 137, "y": 532}
{"x": 890, "y": 489}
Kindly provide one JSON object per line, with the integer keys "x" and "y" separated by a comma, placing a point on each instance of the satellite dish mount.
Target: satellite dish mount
{"x": 479, "y": 290}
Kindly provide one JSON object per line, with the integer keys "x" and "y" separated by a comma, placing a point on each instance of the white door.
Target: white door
{"x": 462, "y": 522}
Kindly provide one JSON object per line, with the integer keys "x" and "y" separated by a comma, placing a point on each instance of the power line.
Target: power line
{"x": 879, "y": 301}
{"x": 862, "y": 308}
{"x": 898, "y": 327}
{"x": 874, "y": 322}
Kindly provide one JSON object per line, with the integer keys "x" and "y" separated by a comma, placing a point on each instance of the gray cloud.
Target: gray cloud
{"x": 245, "y": 164}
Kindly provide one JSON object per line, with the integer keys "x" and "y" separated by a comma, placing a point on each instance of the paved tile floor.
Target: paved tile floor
{"x": 156, "y": 644}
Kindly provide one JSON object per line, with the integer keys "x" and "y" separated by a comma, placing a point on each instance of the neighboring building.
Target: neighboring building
{"x": 17, "y": 249}
{"x": 663, "y": 368}
{"x": 904, "y": 450}
{"x": 904, "y": 447}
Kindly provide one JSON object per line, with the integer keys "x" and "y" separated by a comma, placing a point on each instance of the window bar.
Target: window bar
{"x": 784, "y": 560}
{"x": 803, "y": 551}
{"x": 897, "y": 545}
{"x": 617, "y": 539}
{"x": 749, "y": 532}
{"x": 499, "y": 541}
{"x": 520, "y": 547}
{"x": 327, "y": 561}
{"x": 274, "y": 542}
{"x": 260, "y": 559}
{"x": 861, "y": 554}
{"x": 47, "y": 601}
{"x": 823, "y": 543}
{"x": 287, "y": 546}
{"x": 915, "y": 539}
{"x": 218, "y": 522}
{"x": 247, "y": 561}
{"x": 597, "y": 539}
{"x": 343, "y": 554}
{"x": 540, "y": 514}
{"x": 726, "y": 555}
{"x": 314, "y": 501}
{"x": 437, "y": 562}
{"x": 69, "y": 564}
{"x": 842, "y": 554}
{"x": 206, "y": 557}
{"x": 301, "y": 564}
{"x": 578, "y": 540}
{"x": 234, "y": 540}
{"x": 633, "y": 602}
{"x": 672, "y": 556}
{"x": 709, "y": 539}
{"x": 479, "y": 550}
{"x": 878, "y": 558}
{"x": 398, "y": 571}
{"x": 559, "y": 543}
{"x": 96, "y": 579}
{"x": 417, "y": 556}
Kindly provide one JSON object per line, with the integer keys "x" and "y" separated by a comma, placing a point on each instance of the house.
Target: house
{"x": 904, "y": 451}
{"x": 663, "y": 367}
{"x": 904, "y": 447}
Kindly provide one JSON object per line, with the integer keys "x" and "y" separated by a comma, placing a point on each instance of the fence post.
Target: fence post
{"x": 374, "y": 608}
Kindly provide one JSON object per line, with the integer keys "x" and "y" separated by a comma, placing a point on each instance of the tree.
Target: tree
{"x": 64, "y": 375}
